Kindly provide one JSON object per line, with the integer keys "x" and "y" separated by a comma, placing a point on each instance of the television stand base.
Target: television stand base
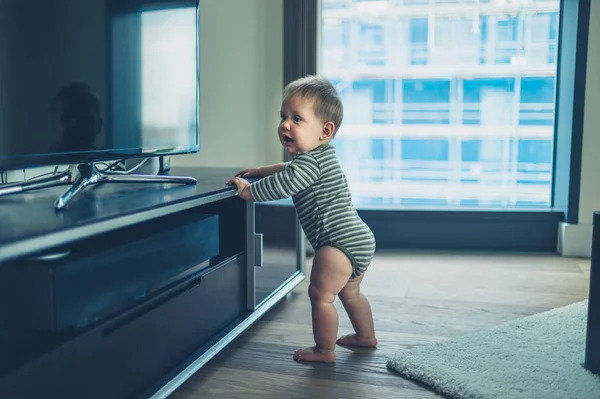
{"x": 89, "y": 174}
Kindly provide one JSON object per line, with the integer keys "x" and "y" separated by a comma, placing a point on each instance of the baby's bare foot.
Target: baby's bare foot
{"x": 355, "y": 340}
{"x": 312, "y": 354}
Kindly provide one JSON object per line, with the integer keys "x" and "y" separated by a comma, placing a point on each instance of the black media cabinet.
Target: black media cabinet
{"x": 134, "y": 287}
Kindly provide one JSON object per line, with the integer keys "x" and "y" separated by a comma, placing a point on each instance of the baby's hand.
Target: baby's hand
{"x": 243, "y": 188}
{"x": 250, "y": 172}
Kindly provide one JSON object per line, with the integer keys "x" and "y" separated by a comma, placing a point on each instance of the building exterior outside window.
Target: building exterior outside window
{"x": 448, "y": 103}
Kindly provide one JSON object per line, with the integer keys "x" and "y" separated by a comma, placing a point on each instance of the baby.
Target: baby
{"x": 311, "y": 114}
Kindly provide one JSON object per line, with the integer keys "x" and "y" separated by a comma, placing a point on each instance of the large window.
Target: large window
{"x": 447, "y": 103}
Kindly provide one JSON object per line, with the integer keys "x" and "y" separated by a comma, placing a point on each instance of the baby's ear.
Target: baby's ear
{"x": 328, "y": 129}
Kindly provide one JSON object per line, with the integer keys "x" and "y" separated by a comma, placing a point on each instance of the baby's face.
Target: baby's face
{"x": 300, "y": 130}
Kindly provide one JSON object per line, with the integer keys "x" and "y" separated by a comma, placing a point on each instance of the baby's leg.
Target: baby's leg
{"x": 330, "y": 273}
{"x": 359, "y": 312}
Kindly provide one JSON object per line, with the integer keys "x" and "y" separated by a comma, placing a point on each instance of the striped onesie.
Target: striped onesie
{"x": 320, "y": 193}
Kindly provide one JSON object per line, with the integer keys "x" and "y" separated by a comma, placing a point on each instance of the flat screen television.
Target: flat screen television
{"x": 91, "y": 80}
{"x": 84, "y": 81}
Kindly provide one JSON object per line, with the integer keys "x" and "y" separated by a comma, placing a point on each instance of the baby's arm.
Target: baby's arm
{"x": 261, "y": 171}
{"x": 269, "y": 170}
{"x": 290, "y": 179}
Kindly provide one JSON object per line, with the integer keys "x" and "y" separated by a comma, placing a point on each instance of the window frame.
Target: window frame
{"x": 477, "y": 229}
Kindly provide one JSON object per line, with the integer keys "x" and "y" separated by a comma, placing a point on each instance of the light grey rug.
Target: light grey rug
{"x": 539, "y": 356}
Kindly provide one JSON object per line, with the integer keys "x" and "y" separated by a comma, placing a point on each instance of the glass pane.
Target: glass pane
{"x": 447, "y": 103}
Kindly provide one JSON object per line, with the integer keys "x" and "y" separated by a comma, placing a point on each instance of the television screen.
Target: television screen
{"x": 91, "y": 80}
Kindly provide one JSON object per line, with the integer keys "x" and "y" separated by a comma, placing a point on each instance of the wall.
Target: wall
{"x": 241, "y": 75}
{"x": 590, "y": 157}
{"x": 576, "y": 239}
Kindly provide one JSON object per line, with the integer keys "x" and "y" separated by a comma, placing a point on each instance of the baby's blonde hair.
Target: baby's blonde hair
{"x": 327, "y": 104}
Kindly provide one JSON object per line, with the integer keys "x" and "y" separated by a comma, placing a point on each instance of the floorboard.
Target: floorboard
{"x": 417, "y": 298}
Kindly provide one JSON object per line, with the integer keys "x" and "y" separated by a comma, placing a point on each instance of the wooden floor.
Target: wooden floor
{"x": 417, "y": 298}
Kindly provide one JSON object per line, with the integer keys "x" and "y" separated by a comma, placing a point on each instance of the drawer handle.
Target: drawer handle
{"x": 258, "y": 250}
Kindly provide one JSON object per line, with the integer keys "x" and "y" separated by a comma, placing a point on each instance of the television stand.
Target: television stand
{"x": 89, "y": 174}
{"x": 128, "y": 298}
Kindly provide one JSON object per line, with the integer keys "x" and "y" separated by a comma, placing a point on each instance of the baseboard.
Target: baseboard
{"x": 19, "y": 175}
{"x": 13, "y": 176}
{"x": 439, "y": 229}
{"x": 574, "y": 240}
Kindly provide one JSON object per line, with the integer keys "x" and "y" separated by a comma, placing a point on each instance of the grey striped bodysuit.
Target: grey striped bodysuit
{"x": 320, "y": 193}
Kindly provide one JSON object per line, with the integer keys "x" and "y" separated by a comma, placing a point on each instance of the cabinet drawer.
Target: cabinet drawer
{"x": 123, "y": 357}
{"x": 106, "y": 274}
